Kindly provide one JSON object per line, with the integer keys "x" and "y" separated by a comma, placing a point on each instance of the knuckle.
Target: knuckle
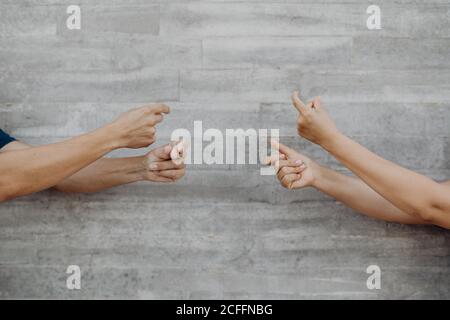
{"x": 147, "y": 109}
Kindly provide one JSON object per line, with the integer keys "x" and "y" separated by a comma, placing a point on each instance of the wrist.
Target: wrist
{"x": 332, "y": 144}
{"x": 141, "y": 168}
{"x": 101, "y": 140}
{"x": 113, "y": 135}
{"x": 318, "y": 175}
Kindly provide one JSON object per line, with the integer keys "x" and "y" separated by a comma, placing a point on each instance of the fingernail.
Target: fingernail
{"x": 298, "y": 162}
{"x": 153, "y": 167}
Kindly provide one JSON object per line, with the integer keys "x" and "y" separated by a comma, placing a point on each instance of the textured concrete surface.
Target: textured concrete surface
{"x": 224, "y": 231}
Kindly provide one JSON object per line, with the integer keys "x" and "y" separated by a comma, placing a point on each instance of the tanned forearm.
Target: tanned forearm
{"x": 411, "y": 192}
{"x": 357, "y": 195}
{"x": 103, "y": 174}
{"x": 26, "y": 171}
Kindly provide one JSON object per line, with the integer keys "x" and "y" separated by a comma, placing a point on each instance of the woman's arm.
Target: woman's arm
{"x": 411, "y": 192}
{"x": 297, "y": 171}
{"x": 359, "y": 196}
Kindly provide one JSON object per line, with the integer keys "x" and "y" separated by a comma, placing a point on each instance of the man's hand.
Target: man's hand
{"x": 160, "y": 167}
{"x": 136, "y": 128}
{"x": 313, "y": 122}
{"x": 294, "y": 170}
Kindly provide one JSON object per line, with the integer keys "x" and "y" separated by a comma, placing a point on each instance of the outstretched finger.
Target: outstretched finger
{"x": 283, "y": 149}
{"x": 298, "y": 104}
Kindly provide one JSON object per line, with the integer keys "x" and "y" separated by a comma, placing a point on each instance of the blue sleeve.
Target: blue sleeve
{"x": 5, "y": 139}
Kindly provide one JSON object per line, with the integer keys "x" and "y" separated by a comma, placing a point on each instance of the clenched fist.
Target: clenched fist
{"x": 136, "y": 128}
{"x": 294, "y": 170}
{"x": 159, "y": 166}
{"x": 313, "y": 122}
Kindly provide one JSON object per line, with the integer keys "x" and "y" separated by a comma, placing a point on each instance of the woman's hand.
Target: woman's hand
{"x": 294, "y": 170}
{"x": 161, "y": 168}
{"x": 313, "y": 122}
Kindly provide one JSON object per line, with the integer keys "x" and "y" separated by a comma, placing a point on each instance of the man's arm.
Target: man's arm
{"x": 31, "y": 170}
{"x": 34, "y": 169}
{"x": 106, "y": 173}
{"x": 297, "y": 171}
{"x": 103, "y": 174}
{"x": 411, "y": 192}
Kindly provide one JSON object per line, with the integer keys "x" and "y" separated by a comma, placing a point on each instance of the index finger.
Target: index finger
{"x": 298, "y": 104}
{"x": 282, "y": 148}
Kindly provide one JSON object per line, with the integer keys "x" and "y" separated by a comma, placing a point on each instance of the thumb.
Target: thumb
{"x": 179, "y": 150}
{"x": 160, "y": 153}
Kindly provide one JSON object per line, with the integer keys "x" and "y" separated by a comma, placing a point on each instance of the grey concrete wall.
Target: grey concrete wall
{"x": 224, "y": 231}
